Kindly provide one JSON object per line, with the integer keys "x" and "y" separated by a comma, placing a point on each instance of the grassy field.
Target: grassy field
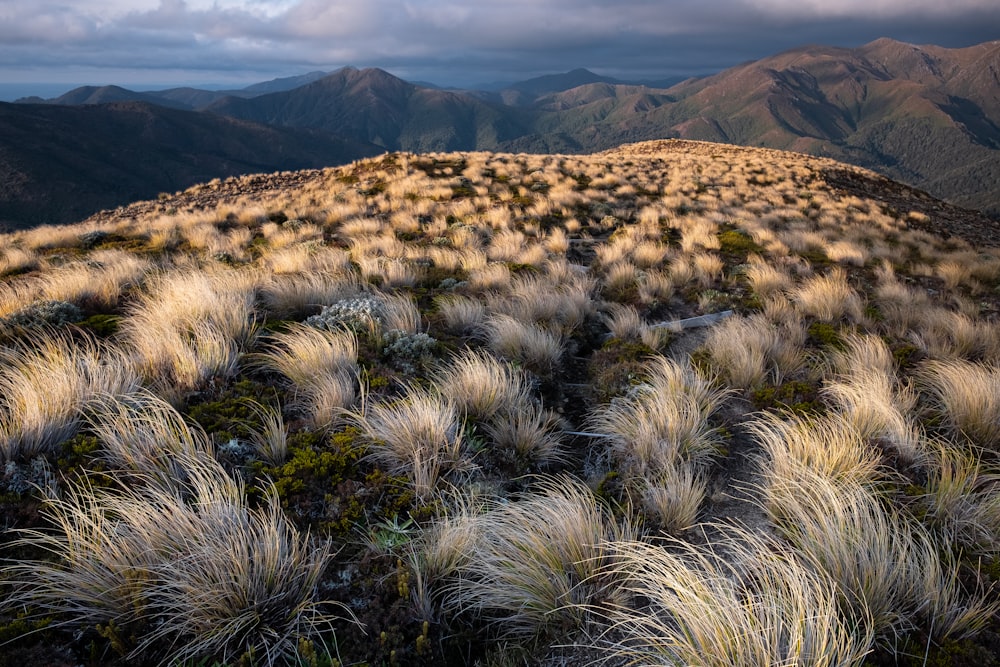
{"x": 672, "y": 404}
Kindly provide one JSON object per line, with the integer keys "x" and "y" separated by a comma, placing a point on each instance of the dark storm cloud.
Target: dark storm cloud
{"x": 452, "y": 41}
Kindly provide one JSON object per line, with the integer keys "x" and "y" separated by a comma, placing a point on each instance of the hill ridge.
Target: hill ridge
{"x": 543, "y": 388}
{"x": 927, "y": 116}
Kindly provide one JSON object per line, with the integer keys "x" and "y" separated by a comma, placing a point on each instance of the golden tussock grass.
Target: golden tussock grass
{"x": 537, "y": 348}
{"x": 967, "y": 396}
{"x": 829, "y": 447}
{"x": 482, "y": 386}
{"x": 534, "y": 567}
{"x": 875, "y": 475}
{"x": 749, "y": 350}
{"x": 461, "y": 314}
{"x": 46, "y": 387}
{"x": 868, "y": 394}
{"x": 766, "y": 279}
{"x": 291, "y": 295}
{"x": 189, "y": 327}
{"x": 829, "y": 298}
{"x": 745, "y": 601}
{"x": 320, "y": 364}
{"x": 417, "y": 435}
{"x": 662, "y": 422}
{"x": 887, "y": 569}
{"x": 946, "y": 334}
{"x": 963, "y": 499}
{"x": 139, "y": 555}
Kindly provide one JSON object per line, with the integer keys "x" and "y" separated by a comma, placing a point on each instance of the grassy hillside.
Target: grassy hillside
{"x": 373, "y": 106}
{"x": 927, "y": 116}
{"x": 61, "y": 164}
{"x": 923, "y": 115}
{"x": 675, "y": 403}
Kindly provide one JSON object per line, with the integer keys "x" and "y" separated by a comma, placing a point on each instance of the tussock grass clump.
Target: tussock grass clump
{"x": 321, "y": 365}
{"x": 967, "y": 396}
{"x": 624, "y": 322}
{"x": 417, "y": 435}
{"x": 497, "y": 396}
{"x": 307, "y": 260}
{"x": 186, "y": 573}
{"x": 879, "y": 410}
{"x": 47, "y": 384}
{"x": 889, "y": 573}
{"x": 17, "y": 295}
{"x": 461, "y": 314}
{"x": 537, "y": 348}
{"x": 291, "y": 295}
{"x": 660, "y": 436}
{"x": 98, "y": 282}
{"x": 142, "y": 434}
{"x": 271, "y": 440}
{"x": 671, "y": 498}
{"x": 649, "y": 254}
{"x": 868, "y": 394}
{"x": 558, "y": 306}
{"x": 534, "y": 566}
{"x": 749, "y": 350}
{"x": 662, "y": 422}
{"x": 945, "y": 334}
{"x": 527, "y": 435}
{"x": 17, "y": 260}
{"x": 746, "y": 601}
{"x": 766, "y": 279}
{"x": 830, "y": 447}
{"x": 829, "y": 298}
{"x": 655, "y": 286}
{"x": 488, "y": 277}
{"x": 902, "y": 307}
{"x": 861, "y": 354}
{"x": 400, "y": 313}
{"x": 481, "y": 386}
{"x": 963, "y": 497}
{"x": 191, "y": 326}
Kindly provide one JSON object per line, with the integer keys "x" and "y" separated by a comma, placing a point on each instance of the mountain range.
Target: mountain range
{"x": 925, "y": 115}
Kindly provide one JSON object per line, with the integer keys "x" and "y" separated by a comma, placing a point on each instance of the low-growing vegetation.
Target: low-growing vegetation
{"x": 671, "y": 404}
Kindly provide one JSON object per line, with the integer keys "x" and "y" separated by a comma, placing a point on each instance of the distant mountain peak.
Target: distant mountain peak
{"x": 557, "y": 83}
{"x": 884, "y": 41}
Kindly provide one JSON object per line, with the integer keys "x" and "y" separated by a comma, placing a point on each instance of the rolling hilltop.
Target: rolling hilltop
{"x": 673, "y": 403}
{"x": 924, "y": 115}
{"x": 63, "y": 163}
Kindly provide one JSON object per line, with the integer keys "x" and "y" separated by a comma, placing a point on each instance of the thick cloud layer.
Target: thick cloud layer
{"x": 446, "y": 41}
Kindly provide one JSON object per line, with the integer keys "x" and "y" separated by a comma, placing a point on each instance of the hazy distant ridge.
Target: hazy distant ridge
{"x": 925, "y": 115}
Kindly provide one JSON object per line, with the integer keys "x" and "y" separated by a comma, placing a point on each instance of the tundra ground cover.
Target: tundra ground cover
{"x": 460, "y": 409}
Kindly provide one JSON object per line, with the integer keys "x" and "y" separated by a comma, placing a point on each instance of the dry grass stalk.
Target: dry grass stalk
{"x": 47, "y": 385}
{"x": 534, "y": 566}
{"x": 321, "y": 365}
{"x": 745, "y": 602}
{"x": 207, "y": 579}
{"x": 417, "y": 435}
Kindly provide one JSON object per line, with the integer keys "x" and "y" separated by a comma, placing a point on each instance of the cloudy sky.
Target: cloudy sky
{"x": 158, "y": 43}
